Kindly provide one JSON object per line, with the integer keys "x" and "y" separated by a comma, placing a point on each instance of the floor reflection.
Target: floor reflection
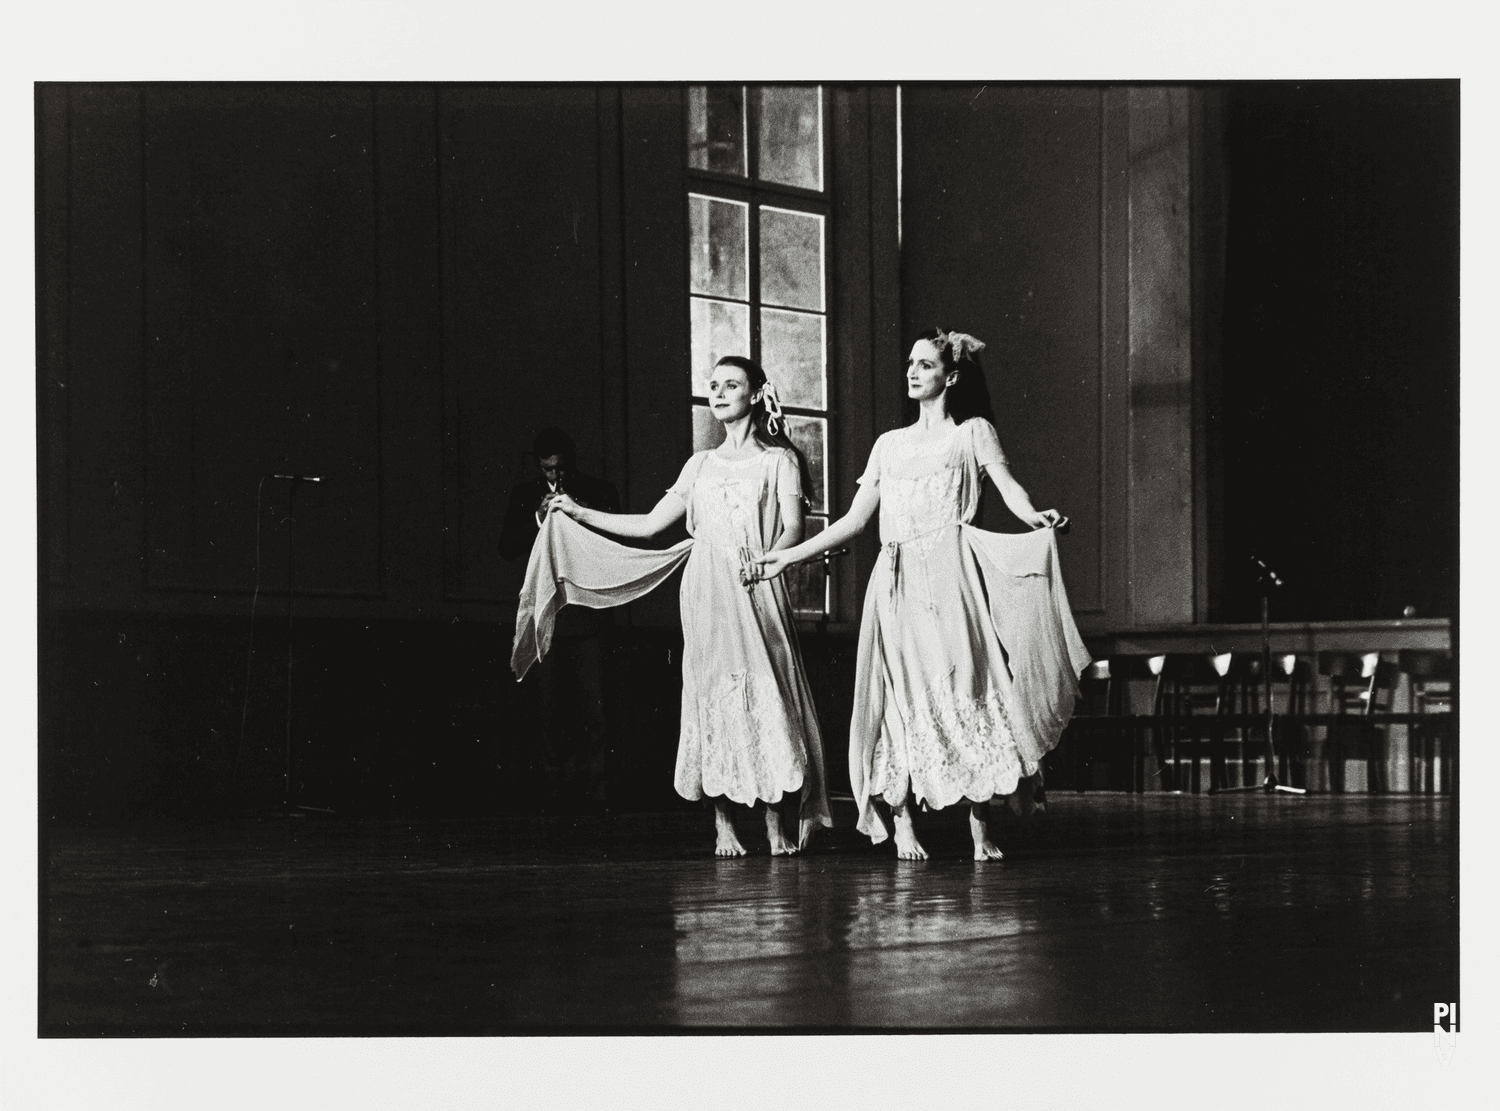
{"x": 758, "y": 943}
{"x": 809, "y": 942}
{"x": 1109, "y": 913}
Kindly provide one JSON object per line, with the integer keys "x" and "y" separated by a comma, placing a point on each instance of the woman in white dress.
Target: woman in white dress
{"x": 968, "y": 655}
{"x": 749, "y": 731}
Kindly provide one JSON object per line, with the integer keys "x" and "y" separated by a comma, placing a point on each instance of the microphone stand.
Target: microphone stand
{"x": 828, "y": 558}
{"x": 1268, "y": 579}
{"x": 288, "y": 806}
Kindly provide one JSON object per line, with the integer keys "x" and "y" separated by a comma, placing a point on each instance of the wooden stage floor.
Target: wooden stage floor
{"x": 1110, "y": 913}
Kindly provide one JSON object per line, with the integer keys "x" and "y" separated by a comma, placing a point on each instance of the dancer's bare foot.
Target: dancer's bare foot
{"x": 780, "y": 846}
{"x": 979, "y": 829}
{"x": 727, "y": 841}
{"x": 805, "y": 832}
{"x": 907, "y": 845}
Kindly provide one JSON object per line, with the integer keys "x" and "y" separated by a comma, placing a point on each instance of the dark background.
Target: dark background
{"x": 1340, "y": 388}
{"x": 394, "y": 287}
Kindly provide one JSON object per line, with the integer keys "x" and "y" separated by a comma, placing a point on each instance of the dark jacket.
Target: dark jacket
{"x": 520, "y": 528}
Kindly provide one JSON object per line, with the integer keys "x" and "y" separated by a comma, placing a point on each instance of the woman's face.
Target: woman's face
{"x": 925, "y": 376}
{"x": 729, "y": 394}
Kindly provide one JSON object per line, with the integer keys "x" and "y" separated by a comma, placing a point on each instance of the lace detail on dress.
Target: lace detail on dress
{"x": 957, "y": 747}
{"x": 911, "y": 507}
{"x": 741, "y": 744}
{"x": 727, "y": 509}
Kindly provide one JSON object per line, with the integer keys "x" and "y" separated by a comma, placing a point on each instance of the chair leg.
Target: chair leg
{"x": 1160, "y": 740}
{"x": 1428, "y": 754}
{"x": 1414, "y": 758}
{"x": 1333, "y": 753}
{"x": 1217, "y": 772}
{"x": 1195, "y": 749}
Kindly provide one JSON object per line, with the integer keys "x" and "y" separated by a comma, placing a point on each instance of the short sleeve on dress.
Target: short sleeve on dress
{"x": 871, "y": 477}
{"x": 986, "y": 443}
{"x": 788, "y": 476}
{"x": 683, "y": 487}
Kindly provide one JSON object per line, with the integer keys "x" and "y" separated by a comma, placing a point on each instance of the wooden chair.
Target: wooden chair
{"x": 1291, "y": 735}
{"x": 1187, "y": 684}
{"x": 1097, "y": 729}
{"x": 1429, "y": 678}
{"x": 1361, "y": 684}
{"x": 1241, "y": 694}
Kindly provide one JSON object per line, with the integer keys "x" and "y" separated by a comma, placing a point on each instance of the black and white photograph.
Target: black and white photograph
{"x": 542, "y": 559}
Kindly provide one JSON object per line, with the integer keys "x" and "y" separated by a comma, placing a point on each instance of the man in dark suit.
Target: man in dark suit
{"x": 557, "y": 457}
{"x": 567, "y": 680}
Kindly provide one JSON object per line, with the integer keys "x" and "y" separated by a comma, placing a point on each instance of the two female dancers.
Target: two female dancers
{"x": 749, "y": 732}
{"x": 943, "y": 713}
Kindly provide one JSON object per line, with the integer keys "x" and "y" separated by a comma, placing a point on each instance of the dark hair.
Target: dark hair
{"x": 759, "y": 418}
{"x": 970, "y": 395}
{"x": 554, "y": 441}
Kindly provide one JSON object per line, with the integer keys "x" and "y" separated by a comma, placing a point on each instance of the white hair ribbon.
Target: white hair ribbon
{"x": 774, "y": 417}
{"x": 964, "y": 345}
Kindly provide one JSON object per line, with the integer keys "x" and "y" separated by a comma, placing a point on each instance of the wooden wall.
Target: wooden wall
{"x": 392, "y": 288}
{"x": 1055, "y": 224}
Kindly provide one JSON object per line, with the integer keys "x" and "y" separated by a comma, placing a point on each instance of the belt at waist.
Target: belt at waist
{"x": 893, "y": 551}
{"x": 743, "y": 552}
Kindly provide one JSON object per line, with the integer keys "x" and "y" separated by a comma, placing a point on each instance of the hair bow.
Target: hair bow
{"x": 964, "y": 346}
{"x": 774, "y": 417}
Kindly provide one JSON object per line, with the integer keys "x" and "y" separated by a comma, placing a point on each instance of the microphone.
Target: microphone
{"x": 296, "y": 477}
{"x": 1266, "y": 573}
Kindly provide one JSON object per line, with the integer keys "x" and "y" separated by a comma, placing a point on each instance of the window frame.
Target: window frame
{"x": 753, "y": 192}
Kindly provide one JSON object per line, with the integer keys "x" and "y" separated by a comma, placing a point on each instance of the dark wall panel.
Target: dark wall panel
{"x": 52, "y": 125}
{"x": 1341, "y": 348}
{"x": 521, "y": 303}
{"x": 852, "y": 403}
{"x": 865, "y": 376}
{"x": 410, "y": 346}
{"x": 1001, "y": 237}
{"x": 105, "y": 386}
{"x": 262, "y": 318}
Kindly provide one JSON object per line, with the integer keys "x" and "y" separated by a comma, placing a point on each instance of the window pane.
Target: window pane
{"x": 716, "y": 128}
{"x": 810, "y": 434}
{"x": 707, "y": 432}
{"x": 718, "y": 240}
{"x": 791, "y": 136}
{"x": 804, "y": 582}
{"x": 719, "y": 329}
{"x": 791, "y": 258}
{"x": 792, "y": 351}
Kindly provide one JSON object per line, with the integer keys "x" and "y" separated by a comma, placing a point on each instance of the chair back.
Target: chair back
{"x": 1426, "y": 665}
{"x": 1431, "y": 675}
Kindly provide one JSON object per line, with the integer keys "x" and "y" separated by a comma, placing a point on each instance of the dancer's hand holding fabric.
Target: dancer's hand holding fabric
{"x": 562, "y": 503}
{"x": 1046, "y": 518}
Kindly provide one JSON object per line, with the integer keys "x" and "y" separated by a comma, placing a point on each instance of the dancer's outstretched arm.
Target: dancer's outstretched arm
{"x": 636, "y": 526}
{"x": 792, "y": 523}
{"x": 846, "y": 528}
{"x": 1017, "y": 500}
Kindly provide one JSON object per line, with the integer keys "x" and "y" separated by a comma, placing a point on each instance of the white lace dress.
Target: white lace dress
{"x": 749, "y": 730}
{"x": 938, "y": 711}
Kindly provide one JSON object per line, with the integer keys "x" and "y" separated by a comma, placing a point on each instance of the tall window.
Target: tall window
{"x": 758, "y": 236}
